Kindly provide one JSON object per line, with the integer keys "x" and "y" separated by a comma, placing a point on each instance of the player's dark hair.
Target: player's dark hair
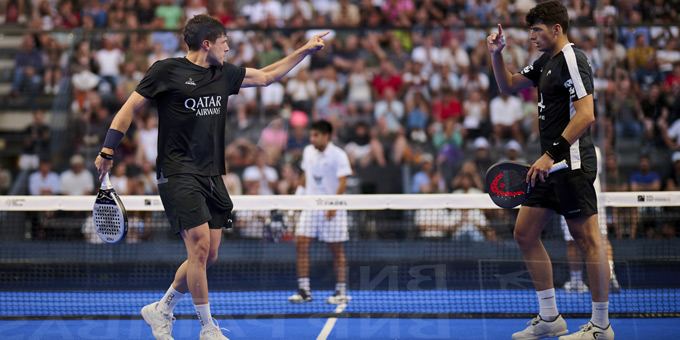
{"x": 322, "y": 126}
{"x": 200, "y": 28}
{"x": 550, "y": 13}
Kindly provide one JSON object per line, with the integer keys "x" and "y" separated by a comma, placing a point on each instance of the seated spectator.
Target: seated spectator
{"x": 271, "y": 98}
{"x": 387, "y": 77}
{"x": 298, "y": 139}
{"x": 265, "y": 13}
{"x": 505, "y": 112}
{"x": 121, "y": 182}
{"x": 77, "y": 180}
{"x": 44, "y": 181}
{"x": 28, "y": 68}
{"x": 448, "y": 106}
{"x": 671, "y": 135}
{"x": 194, "y": 8}
{"x": 476, "y": 116}
{"x": 455, "y": 57}
{"x": 427, "y": 55}
{"x": 645, "y": 179}
{"x": 232, "y": 181}
{"x": 146, "y": 139}
{"x": 362, "y": 148}
{"x": 53, "y": 67}
{"x": 273, "y": 140}
{"x": 444, "y": 79}
{"x": 290, "y": 179}
{"x": 512, "y": 152}
{"x": 109, "y": 59}
{"x": 36, "y": 142}
{"x": 470, "y": 224}
{"x": 654, "y": 109}
{"x": 5, "y": 181}
{"x": 345, "y": 14}
{"x": 13, "y": 12}
{"x": 297, "y": 9}
{"x": 390, "y": 109}
{"x": 625, "y": 110}
{"x": 260, "y": 178}
{"x": 359, "y": 98}
{"x": 302, "y": 91}
{"x": 647, "y": 76}
{"x": 418, "y": 120}
{"x": 473, "y": 79}
{"x": 66, "y": 17}
{"x": 638, "y": 56}
{"x": 451, "y": 133}
{"x": 170, "y": 12}
{"x": 428, "y": 180}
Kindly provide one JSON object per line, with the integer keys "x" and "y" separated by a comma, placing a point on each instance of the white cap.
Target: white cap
{"x": 676, "y": 156}
{"x": 481, "y": 143}
{"x": 513, "y": 145}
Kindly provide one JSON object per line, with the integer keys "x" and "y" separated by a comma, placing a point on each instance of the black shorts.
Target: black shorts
{"x": 570, "y": 193}
{"x": 191, "y": 200}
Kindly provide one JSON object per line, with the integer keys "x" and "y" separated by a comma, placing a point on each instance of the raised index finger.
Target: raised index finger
{"x": 323, "y": 34}
{"x": 500, "y": 30}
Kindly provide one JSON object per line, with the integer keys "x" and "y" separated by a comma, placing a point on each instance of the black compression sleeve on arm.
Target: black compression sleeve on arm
{"x": 559, "y": 148}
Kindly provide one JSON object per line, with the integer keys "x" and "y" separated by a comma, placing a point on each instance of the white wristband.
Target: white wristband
{"x": 300, "y": 190}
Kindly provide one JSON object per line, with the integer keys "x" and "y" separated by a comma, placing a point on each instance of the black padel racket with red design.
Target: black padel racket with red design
{"x": 506, "y": 182}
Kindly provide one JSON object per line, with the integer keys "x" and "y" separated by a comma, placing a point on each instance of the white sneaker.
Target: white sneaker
{"x": 539, "y": 329}
{"x": 575, "y": 286}
{"x": 161, "y": 323}
{"x": 301, "y": 296}
{"x": 213, "y": 333}
{"x": 338, "y": 299}
{"x": 591, "y": 332}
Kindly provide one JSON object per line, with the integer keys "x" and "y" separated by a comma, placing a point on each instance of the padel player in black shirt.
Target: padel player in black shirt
{"x": 191, "y": 95}
{"x": 565, "y": 104}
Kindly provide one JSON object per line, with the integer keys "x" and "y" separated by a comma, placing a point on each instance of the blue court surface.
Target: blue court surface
{"x": 342, "y": 328}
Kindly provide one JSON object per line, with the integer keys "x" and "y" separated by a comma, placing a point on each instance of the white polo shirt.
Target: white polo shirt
{"x": 322, "y": 169}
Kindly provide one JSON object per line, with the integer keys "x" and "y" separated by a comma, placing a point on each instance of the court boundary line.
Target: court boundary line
{"x": 330, "y": 323}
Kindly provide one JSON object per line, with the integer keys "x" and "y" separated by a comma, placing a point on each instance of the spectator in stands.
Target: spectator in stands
{"x": 473, "y": 79}
{"x": 232, "y": 181}
{"x": 13, "y": 12}
{"x": 640, "y": 53}
{"x": 124, "y": 184}
{"x": 645, "y": 179}
{"x": 396, "y": 54}
{"x": 654, "y": 108}
{"x": 470, "y": 224}
{"x": 427, "y": 55}
{"x": 302, "y": 91}
{"x": 505, "y": 112}
{"x": 260, "y": 178}
{"x": 146, "y": 139}
{"x": 345, "y": 14}
{"x": 28, "y": 68}
{"x": 625, "y": 110}
{"x": 443, "y": 80}
{"x": 513, "y": 152}
{"x": 109, "y": 59}
{"x": 476, "y": 115}
{"x": 36, "y": 142}
{"x": 301, "y": 9}
{"x": 447, "y": 106}
{"x": 671, "y": 135}
{"x": 418, "y": 119}
{"x": 482, "y": 160}
{"x": 265, "y": 13}
{"x": 298, "y": 139}
{"x": 390, "y": 109}
{"x": 290, "y": 179}
{"x": 44, "y": 181}
{"x": 170, "y": 12}
{"x": 428, "y": 180}
{"x": 77, "y": 180}
{"x": 147, "y": 182}
{"x": 359, "y": 90}
{"x": 668, "y": 56}
{"x": 193, "y": 8}
{"x": 614, "y": 180}
{"x": 67, "y": 18}
{"x": 647, "y": 76}
{"x": 386, "y": 78}
{"x": 451, "y": 133}
{"x": 53, "y": 67}
{"x": 613, "y": 54}
{"x": 455, "y": 57}
{"x": 5, "y": 181}
{"x": 362, "y": 148}
{"x": 273, "y": 140}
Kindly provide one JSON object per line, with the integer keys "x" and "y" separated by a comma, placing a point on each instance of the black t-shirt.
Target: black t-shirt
{"x": 192, "y": 106}
{"x": 561, "y": 81}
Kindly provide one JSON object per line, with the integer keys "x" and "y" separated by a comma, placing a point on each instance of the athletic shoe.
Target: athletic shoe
{"x": 213, "y": 332}
{"x": 161, "y": 323}
{"x": 301, "y": 296}
{"x": 338, "y": 299}
{"x": 591, "y": 332}
{"x": 539, "y": 329}
{"x": 614, "y": 286}
{"x": 575, "y": 286}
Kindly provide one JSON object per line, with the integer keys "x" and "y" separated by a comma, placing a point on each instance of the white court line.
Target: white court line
{"x": 330, "y": 323}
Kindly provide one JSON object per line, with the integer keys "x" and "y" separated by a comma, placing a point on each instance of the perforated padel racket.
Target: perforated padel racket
{"x": 506, "y": 182}
{"x": 109, "y": 215}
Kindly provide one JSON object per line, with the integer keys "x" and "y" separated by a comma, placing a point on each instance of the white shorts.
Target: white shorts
{"x": 313, "y": 224}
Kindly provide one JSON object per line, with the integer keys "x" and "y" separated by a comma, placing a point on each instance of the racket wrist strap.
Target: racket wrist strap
{"x": 558, "y": 149}
{"x": 113, "y": 138}
{"x": 106, "y": 155}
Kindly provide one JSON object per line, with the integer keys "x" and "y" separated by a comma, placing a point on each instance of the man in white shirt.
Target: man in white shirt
{"x": 260, "y": 179}
{"x": 77, "y": 180}
{"x": 44, "y": 181}
{"x": 325, "y": 169}
{"x": 505, "y": 112}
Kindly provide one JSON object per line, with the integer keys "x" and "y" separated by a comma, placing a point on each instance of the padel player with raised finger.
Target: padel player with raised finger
{"x": 191, "y": 96}
{"x": 564, "y": 80}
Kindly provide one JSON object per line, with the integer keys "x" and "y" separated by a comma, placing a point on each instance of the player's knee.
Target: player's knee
{"x": 523, "y": 237}
{"x": 212, "y": 258}
{"x": 200, "y": 251}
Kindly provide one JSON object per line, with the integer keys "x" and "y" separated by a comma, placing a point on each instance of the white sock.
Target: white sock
{"x": 341, "y": 287}
{"x": 611, "y": 270}
{"x": 600, "y": 316}
{"x": 169, "y": 300}
{"x": 204, "y": 317}
{"x": 576, "y": 275}
{"x": 303, "y": 283}
{"x": 548, "y": 305}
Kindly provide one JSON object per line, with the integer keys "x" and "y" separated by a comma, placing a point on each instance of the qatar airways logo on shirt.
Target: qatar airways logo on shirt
{"x": 205, "y": 106}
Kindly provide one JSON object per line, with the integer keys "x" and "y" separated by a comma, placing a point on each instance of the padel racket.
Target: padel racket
{"x": 506, "y": 182}
{"x": 109, "y": 215}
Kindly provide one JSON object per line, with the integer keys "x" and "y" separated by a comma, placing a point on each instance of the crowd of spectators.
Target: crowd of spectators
{"x": 422, "y": 98}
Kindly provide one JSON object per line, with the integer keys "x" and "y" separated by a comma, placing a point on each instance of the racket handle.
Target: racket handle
{"x": 106, "y": 183}
{"x": 557, "y": 166}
